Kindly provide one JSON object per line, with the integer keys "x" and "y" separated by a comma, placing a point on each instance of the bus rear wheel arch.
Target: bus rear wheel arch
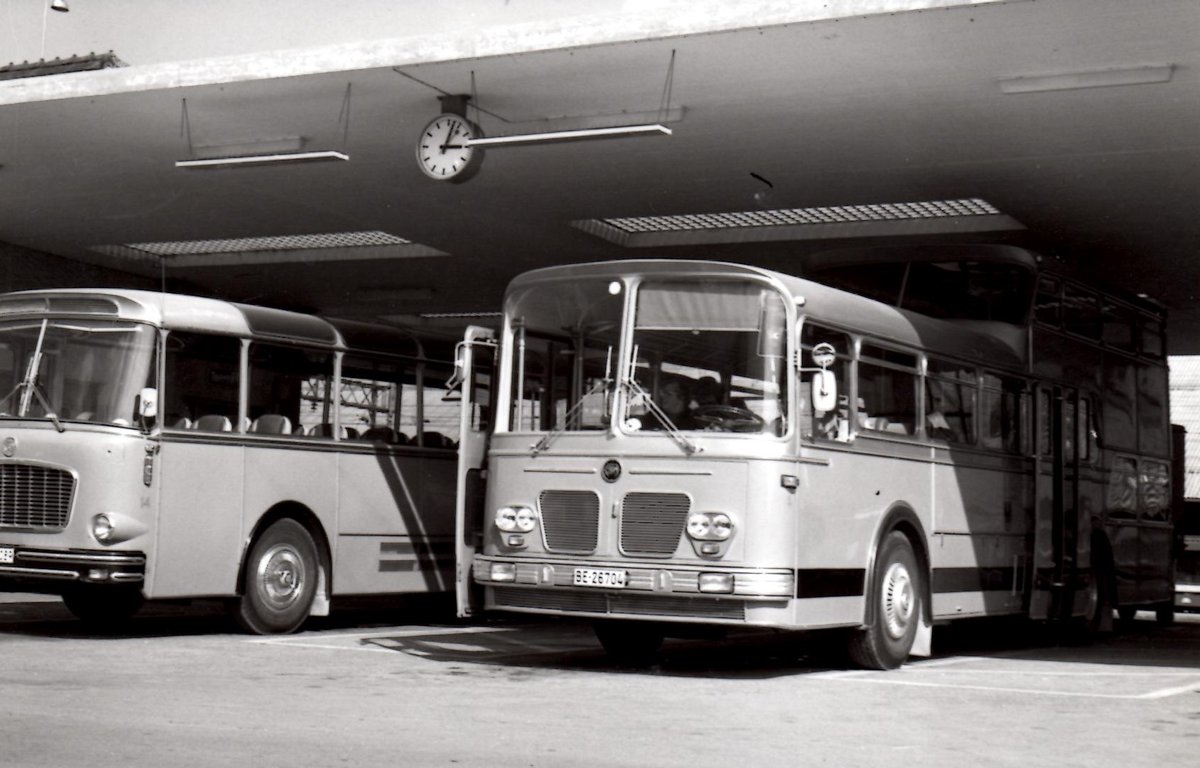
{"x": 279, "y": 581}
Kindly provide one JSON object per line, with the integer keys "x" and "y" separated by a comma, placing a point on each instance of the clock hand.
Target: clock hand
{"x": 449, "y": 135}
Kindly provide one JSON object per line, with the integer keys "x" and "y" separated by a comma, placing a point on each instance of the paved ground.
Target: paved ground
{"x": 409, "y": 686}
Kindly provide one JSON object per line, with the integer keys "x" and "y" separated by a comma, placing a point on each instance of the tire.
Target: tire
{"x": 103, "y": 607}
{"x": 280, "y": 580}
{"x": 1164, "y": 614}
{"x": 629, "y": 643}
{"x": 898, "y": 593}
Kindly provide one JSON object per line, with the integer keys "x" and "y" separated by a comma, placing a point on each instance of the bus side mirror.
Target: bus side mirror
{"x": 824, "y": 391}
{"x": 147, "y": 407}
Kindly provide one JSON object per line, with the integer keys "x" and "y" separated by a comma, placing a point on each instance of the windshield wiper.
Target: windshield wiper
{"x": 550, "y": 437}
{"x": 29, "y": 388}
{"x": 680, "y": 439}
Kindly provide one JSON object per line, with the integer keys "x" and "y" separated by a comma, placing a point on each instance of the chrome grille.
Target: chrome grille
{"x": 33, "y": 496}
{"x": 570, "y": 520}
{"x": 651, "y": 523}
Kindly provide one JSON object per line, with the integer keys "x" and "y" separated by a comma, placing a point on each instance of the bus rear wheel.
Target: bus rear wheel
{"x": 280, "y": 580}
{"x": 897, "y": 591}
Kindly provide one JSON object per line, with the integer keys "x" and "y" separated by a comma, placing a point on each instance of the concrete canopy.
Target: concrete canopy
{"x": 771, "y": 106}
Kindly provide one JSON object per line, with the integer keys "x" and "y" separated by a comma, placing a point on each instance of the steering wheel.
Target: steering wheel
{"x": 728, "y": 418}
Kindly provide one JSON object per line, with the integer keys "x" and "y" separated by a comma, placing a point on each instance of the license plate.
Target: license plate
{"x": 592, "y": 577}
{"x": 6, "y": 554}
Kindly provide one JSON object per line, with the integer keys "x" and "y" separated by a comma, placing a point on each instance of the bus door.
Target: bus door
{"x": 474, "y": 374}
{"x": 1056, "y": 533}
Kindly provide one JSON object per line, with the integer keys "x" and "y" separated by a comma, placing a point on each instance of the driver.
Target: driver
{"x": 674, "y": 399}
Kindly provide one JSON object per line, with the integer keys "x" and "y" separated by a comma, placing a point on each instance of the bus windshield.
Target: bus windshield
{"x": 564, "y": 341}
{"x": 708, "y": 356}
{"x": 78, "y": 370}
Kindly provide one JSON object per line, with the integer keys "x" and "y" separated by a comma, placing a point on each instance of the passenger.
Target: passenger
{"x": 707, "y": 391}
{"x": 673, "y": 400}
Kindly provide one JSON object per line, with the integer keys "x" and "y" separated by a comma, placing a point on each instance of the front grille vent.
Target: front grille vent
{"x": 651, "y": 523}
{"x": 34, "y": 496}
{"x": 570, "y": 520}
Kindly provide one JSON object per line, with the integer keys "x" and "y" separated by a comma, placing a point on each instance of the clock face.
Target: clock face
{"x": 442, "y": 149}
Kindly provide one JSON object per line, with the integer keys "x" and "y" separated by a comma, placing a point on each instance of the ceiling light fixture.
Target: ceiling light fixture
{"x": 576, "y": 135}
{"x": 276, "y": 157}
{"x": 60, "y": 6}
{"x": 1099, "y": 78}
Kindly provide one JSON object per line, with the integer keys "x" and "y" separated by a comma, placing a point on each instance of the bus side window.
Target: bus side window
{"x": 372, "y": 389}
{"x": 1002, "y": 417}
{"x": 887, "y": 391}
{"x": 201, "y": 381}
{"x": 279, "y": 378}
{"x": 950, "y": 398}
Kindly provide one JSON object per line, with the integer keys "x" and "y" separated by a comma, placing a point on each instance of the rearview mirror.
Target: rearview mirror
{"x": 147, "y": 406}
{"x": 824, "y": 391}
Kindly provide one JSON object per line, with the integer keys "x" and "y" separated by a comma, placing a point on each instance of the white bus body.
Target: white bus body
{"x": 945, "y": 484}
{"x": 287, "y": 460}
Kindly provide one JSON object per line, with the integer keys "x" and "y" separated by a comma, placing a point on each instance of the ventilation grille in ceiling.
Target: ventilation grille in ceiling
{"x": 335, "y": 246}
{"x": 938, "y": 216}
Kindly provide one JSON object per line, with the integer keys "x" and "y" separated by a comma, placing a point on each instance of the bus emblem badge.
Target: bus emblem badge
{"x": 9, "y": 447}
{"x": 611, "y": 471}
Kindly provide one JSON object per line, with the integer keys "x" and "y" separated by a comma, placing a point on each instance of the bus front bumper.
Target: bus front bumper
{"x": 42, "y": 566}
{"x": 636, "y": 578}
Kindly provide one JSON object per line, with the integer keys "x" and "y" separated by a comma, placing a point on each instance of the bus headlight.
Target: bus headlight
{"x": 102, "y": 528}
{"x": 516, "y": 519}
{"x": 709, "y": 526}
{"x": 113, "y": 528}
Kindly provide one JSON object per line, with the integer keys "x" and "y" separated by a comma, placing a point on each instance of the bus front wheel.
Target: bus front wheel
{"x": 896, "y": 590}
{"x": 280, "y": 581}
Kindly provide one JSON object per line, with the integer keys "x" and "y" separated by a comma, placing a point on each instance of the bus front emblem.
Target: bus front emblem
{"x": 9, "y": 447}
{"x": 611, "y": 471}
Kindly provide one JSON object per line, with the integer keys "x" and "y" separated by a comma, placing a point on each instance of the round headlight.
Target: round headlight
{"x": 102, "y": 527}
{"x": 698, "y": 525}
{"x": 526, "y": 521}
{"x": 722, "y": 526}
{"x": 506, "y": 519}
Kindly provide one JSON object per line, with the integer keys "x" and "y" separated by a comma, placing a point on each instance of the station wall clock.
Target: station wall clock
{"x": 443, "y": 149}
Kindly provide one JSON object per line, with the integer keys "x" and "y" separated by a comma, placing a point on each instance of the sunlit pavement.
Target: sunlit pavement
{"x": 407, "y": 684}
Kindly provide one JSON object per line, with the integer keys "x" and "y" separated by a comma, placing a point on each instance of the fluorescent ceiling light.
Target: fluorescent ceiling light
{"x": 1100, "y": 78}
{"x": 575, "y": 135}
{"x": 832, "y": 222}
{"x": 277, "y": 157}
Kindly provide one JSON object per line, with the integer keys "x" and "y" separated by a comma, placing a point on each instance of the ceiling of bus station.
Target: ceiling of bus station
{"x": 883, "y": 109}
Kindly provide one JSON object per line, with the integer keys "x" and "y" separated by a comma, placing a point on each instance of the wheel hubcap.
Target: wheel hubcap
{"x": 281, "y": 577}
{"x": 899, "y": 600}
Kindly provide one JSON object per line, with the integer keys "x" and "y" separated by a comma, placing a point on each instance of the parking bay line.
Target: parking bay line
{"x": 893, "y": 678}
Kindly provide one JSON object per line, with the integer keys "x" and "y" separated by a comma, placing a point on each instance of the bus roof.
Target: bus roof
{"x": 179, "y": 312}
{"x": 968, "y": 341}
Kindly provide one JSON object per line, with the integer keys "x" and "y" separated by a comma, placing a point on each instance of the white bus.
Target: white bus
{"x": 682, "y": 442}
{"x": 158, "y": 446}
